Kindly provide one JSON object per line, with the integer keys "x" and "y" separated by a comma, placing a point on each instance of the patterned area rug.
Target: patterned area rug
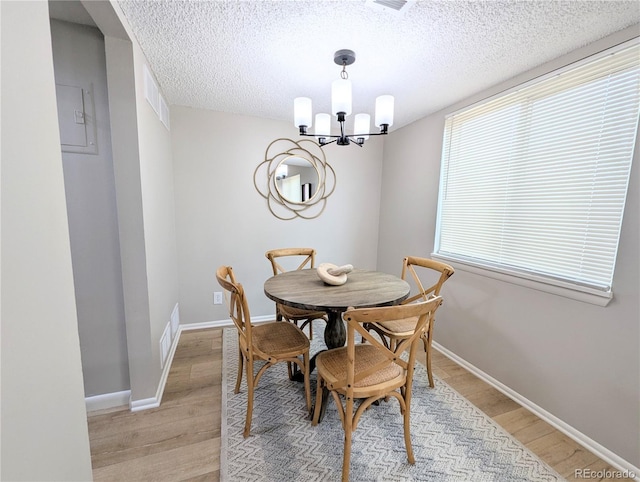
{"x": 452, "y": 439}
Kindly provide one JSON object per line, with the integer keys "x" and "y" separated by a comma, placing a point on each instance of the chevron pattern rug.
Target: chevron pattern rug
{"x": 452, "y": 439}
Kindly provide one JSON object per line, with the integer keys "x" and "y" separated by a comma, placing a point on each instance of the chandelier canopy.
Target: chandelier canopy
{"x": 341, "y": 108}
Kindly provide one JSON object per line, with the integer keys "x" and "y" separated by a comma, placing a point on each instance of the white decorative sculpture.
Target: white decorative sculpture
{"x": 332, "y": 274}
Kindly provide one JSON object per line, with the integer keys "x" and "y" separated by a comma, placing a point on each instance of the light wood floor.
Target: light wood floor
{"x": 180, "y": 440}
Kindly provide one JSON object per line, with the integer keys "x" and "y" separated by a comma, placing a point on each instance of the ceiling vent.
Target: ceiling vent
{"x": 397, "y": 7}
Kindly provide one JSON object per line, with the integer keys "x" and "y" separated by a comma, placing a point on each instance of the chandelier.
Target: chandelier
{"x": 341, "y": 108}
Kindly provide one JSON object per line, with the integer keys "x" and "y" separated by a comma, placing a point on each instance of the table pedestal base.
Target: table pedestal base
{"x": 335, "y": 334}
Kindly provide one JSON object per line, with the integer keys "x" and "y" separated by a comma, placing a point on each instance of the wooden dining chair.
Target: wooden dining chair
{"x": 269, "y": 343}
{"x": 371, "y": 371}
{"x": 393, "y": 331}
{"x": 301, "y": 258}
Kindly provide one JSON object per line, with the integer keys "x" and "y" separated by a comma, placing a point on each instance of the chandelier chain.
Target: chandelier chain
{"x": 344, "y": 75}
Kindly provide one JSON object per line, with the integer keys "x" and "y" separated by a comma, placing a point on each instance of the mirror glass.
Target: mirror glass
{"x": 297, "y": 179}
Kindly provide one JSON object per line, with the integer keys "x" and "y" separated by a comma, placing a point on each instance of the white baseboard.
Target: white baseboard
{"x": 605, "y": 454}
{"x": 145, "y": 403}
{"x": 223, "y": 323}
{"x": 154, "y": 402}
{"x": 107, "y": 400}
{"x": 206, "y": 324}
{"x": 112, "y": 400}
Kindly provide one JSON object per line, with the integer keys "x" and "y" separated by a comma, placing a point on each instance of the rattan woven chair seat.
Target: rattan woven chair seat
{"x": 399, "y": 327}
{"x": 279, "y": 338}
{"x": 299, "y": 313}
{"x": 333, "y": 364}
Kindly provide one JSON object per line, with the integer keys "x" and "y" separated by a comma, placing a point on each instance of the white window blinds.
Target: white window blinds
{"x": 534, "y": 180}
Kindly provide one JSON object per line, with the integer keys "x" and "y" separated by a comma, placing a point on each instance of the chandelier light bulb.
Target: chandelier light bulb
{"x": 361, "y": 126}
{"x": 323, "y": 125}
{"x": 384, "y": 110}
{"x": 341, "y": 96}
{"x": 302, "y": 111}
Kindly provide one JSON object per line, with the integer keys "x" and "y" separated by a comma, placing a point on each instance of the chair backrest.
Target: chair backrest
{"x": 423, "y": 310}
{"x": 238, "y": 307}
{"x": 409, "y": 265}
{"x": 306, "y": 258}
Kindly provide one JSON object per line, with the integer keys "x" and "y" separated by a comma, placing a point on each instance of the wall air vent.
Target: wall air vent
{"x": 397, "y": 7}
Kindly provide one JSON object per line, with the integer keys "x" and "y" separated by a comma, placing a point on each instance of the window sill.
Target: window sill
{"x": 559, "y": 288}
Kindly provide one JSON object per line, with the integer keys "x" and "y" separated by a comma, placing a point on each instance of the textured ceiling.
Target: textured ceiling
{"x": 255, "y": 57}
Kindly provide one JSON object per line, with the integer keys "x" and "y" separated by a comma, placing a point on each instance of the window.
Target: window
{"x": 534, "y": 180}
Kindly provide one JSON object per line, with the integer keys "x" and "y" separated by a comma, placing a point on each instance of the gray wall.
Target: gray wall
{"x": 146, "y": 218}
{"x": 145, "y": 203}
{"x": 222, "y": 219}
{"x": 143, "y": 176}
{"x": 44, "y": 425}
{"x": 578, "y": 361}
{"x": 79, "y": 60}
{"x": 44, "y": 428}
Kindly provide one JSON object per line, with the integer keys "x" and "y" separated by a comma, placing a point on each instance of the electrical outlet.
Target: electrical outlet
{"x": 217, "y": 298}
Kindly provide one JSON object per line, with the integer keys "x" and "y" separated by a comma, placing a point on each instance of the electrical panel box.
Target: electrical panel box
{"x": 76, "y": 118}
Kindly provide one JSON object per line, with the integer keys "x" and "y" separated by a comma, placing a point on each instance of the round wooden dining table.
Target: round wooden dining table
{"x": 363, "y": 289}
